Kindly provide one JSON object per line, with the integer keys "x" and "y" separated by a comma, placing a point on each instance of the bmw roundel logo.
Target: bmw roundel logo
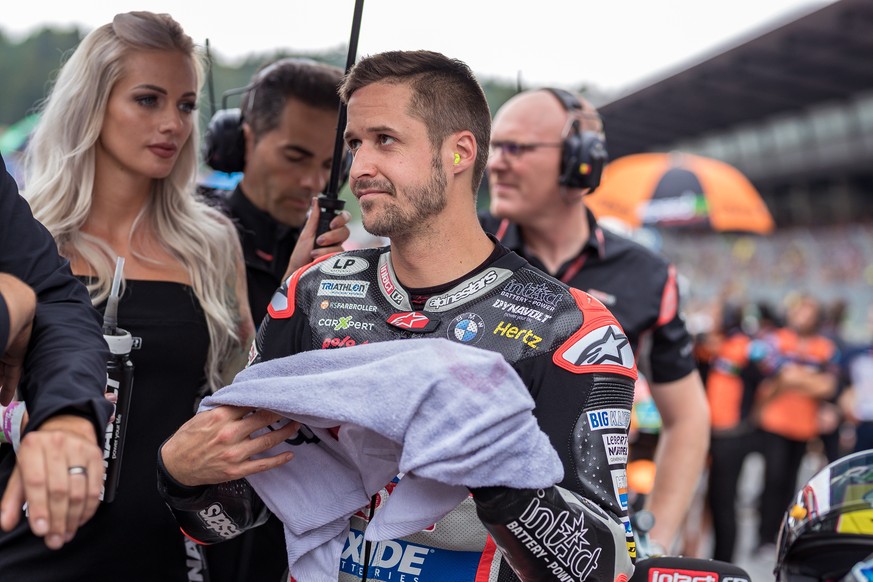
{"x": 467, "y": 328}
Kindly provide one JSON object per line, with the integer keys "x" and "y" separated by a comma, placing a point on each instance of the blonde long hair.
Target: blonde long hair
{"x": 60, "y": 168}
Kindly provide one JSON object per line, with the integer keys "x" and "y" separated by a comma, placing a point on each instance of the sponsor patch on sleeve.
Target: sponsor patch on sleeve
{"x": 599, "y": 346}
{"x": 343, "y": 265}
{"x": 616, "y": 448}
{"x": 600, "y": 349}
{"x": 282, "y": 304}
{"x": 619, "y": 483}
{"x": 608, "y": 419}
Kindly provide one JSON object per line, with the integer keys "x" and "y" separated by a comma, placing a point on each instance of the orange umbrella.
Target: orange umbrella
{"x": 678, "y": 189}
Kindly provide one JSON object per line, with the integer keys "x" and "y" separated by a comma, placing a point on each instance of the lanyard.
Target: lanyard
{"x": 577, "y": 263}
{"x": 575, "y": 267}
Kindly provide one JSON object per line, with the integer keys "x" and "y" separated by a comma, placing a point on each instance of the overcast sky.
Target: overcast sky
{"x": 611, "y": 44}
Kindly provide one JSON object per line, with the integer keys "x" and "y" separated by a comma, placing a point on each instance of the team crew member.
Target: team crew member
{"x": 802, "y": 370}
{"x": 731, "y": 388}
{"x": 50, "y": 332}
{"x": 287, "y": 129}
{"x": 547, "y": 150}
{"x": 416, "y": 124}
{"x": 283, "y": 143}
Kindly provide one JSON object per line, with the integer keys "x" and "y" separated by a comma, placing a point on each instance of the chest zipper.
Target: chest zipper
{"x": 367, "y": 544}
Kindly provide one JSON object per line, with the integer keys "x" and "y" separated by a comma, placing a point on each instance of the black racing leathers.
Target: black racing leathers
{"x": 565, "y": 346}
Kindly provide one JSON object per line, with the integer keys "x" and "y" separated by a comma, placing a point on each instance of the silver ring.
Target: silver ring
{"x": 77, "y": 470}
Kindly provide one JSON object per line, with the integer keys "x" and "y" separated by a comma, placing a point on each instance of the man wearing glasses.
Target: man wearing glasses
{"x": 547, "y": 150}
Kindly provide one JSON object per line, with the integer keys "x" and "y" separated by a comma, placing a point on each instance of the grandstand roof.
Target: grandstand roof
{"x": 825, "y": 54}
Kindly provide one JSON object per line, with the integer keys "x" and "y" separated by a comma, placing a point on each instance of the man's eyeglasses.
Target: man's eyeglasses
{"x": 513, "y": 150}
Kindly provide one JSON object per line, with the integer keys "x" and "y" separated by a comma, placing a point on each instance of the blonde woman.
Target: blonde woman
{"x": 110, "y": 173}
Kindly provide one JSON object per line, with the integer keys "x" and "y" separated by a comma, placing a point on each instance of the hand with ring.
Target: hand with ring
{"x": 59, "y": 474}
{"x": 78, "y": 470}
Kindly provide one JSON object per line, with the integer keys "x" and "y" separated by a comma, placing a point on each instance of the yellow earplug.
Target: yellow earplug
{"x": 457, "y": 158}
{"x": 797, "y": 511}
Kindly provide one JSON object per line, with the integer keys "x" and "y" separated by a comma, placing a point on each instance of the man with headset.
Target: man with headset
{"x": 283, "y": 143}
{"x": 547, "y": 153}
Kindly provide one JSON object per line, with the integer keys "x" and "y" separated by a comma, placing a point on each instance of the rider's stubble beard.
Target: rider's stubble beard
{"x": 424, "y": 201}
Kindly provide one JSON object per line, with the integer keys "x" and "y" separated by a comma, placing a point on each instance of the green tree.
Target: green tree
{"x": 28, "y": 67}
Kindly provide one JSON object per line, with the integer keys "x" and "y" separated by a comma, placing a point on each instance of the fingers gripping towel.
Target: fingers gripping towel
{"x": 445, "y": 415}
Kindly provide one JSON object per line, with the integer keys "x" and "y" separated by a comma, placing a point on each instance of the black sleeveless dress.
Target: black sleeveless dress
{"x": 135, "y": 538}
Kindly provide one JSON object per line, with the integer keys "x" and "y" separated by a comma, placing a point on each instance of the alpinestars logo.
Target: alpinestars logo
{"x": 440, "y": 301}
{"x": 606, "y": 345}
{"x": 411, "y": 320}
{"x": 605, "y": 351}
{"x": 414, "y": 321}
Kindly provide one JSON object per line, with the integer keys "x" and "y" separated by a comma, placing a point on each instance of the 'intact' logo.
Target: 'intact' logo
{"x": 675, "y": 575}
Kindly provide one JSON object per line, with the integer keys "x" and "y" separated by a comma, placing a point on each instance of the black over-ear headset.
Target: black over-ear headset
{"x": 583, "y": 153}
{"x": 224, "y": 146}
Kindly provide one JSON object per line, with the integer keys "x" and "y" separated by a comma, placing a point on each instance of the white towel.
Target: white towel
{"x": 446, "y": 415}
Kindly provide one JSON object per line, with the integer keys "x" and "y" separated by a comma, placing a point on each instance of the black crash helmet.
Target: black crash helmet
{"x": 828, "y": 529}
